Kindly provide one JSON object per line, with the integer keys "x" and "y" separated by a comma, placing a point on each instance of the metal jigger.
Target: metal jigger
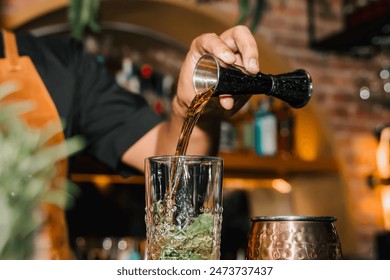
{"x": 294, "y": 88}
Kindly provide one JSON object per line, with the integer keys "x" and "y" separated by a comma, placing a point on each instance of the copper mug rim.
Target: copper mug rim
{"x": 328, "y": 219}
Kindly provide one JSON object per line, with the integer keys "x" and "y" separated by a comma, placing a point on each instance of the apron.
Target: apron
{"x": 52, "y": 240}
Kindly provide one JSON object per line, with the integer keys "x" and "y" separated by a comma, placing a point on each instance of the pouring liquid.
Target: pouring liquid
{"x": 177, "y": 213}
{"x": 192, "y": 116}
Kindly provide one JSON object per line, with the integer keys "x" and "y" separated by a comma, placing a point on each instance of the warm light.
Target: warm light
{"x": 384, "y": 74}
{"x": 309, "y": 138}
{"x": 385, "y": 196}
{"x": 386, "y": 87}
{"x": 107, "y": 243}
{"x": 281, "y": 186}
{"x": 364, "y": 93}
{"x": 383, "y": 154}
{"x": 246, "y": 184}
{"x": 102, "y": 181}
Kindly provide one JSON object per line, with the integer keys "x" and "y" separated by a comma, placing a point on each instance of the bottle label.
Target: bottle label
{"x": 247, "y": 135}
{"x": 228, "y": 137}
{"x": 285, "y": 145}
{"x": 266, "y": 135}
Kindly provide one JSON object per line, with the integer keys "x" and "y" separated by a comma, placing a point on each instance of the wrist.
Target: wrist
{"x": 179, "y": 109}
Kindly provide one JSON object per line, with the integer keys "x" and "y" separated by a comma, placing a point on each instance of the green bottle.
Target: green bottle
{"x": 266, "y": 143}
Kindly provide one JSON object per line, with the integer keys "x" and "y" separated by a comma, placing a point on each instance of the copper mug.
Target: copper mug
{"x": 293, "y": 238}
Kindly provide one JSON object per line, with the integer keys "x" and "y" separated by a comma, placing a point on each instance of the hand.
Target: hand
{"x": 236, "y": 45}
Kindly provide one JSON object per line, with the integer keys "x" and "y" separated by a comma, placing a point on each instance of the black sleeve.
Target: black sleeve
{"x": 111, "y": 118}
{"x": 92, "y": 104}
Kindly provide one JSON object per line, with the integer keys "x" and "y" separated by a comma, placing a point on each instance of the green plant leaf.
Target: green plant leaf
{"x": 27, "y": 167}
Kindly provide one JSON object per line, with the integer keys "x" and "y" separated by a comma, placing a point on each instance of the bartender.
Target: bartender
{"x": 120, "y": 129}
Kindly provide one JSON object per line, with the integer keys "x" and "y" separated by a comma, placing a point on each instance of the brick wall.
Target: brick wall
{"x": 337, "y": 80}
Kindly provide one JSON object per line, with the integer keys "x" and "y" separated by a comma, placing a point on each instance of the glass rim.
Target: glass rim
{"x": 185, "y": 157}
{"x": 293, "y": 218}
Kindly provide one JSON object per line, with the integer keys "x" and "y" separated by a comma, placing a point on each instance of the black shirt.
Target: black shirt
{"x": 88, "y": 98}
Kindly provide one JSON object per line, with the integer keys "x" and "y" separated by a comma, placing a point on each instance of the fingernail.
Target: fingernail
{"x": 228, "y": 56}
{"x": 227, "y": 102}
{"x": 253, "y": 63}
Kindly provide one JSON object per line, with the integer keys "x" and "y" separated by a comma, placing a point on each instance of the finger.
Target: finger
{"x": 226, "y": 101}
{"x": 212, "y": 43}
{"x": 233, "y": 47}
{"x": 240, "y": 38}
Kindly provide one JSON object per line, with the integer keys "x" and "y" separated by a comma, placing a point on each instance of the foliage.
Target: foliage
{"x": 83, "y": 14}
{"x": 26, "y": 168}
{"x": 252, "y": 13}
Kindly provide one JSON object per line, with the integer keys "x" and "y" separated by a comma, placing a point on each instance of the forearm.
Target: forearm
{"x": 235, "y": 45}
{"x": 163, "y": 138}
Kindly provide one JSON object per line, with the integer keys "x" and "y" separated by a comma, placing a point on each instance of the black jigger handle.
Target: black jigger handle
{"x": 294, "y": 88}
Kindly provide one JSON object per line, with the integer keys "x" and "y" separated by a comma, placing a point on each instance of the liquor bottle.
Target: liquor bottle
{"x": 228, "y": 136}
{"x": 285, "y": 119}
{"x": 244, "y": 126}
{"x": 294, "y": 88}
{"x": 266, "y": 129}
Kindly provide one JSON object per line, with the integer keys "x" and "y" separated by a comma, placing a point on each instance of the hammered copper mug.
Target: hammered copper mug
{"x": 293, "y": 238}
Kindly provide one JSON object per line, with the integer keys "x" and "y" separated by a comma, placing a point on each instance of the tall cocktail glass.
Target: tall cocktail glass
{"x": 183, "y": 207}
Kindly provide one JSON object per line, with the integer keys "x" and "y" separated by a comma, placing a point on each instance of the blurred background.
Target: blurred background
{"x": 330, "y": 158}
